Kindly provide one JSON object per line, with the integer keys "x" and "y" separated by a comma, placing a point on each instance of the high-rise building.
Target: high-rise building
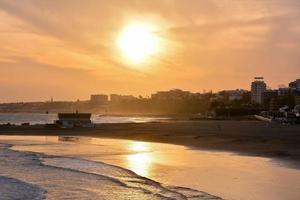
{"x": 258, "y": 87}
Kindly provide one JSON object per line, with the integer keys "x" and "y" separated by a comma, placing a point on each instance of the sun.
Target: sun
{"x": 137, "y": 42}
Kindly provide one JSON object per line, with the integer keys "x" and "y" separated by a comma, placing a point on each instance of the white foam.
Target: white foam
{"x": 73, "y": 178}
{"x": 11, "y": 188}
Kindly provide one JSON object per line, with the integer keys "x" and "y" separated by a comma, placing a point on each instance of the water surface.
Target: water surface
{"x": 42, "y": 118}
{"x": 223, "y": 174}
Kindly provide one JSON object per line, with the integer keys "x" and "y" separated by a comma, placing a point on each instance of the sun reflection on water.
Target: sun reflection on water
{"x": 140, "y": 161}
{"x": 138, "y": 146}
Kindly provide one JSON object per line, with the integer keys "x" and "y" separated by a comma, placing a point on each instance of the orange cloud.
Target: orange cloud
{"x": 74, "y": 42}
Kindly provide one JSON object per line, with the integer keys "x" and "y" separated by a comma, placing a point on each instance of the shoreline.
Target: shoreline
{"x": 253, "y": 138}
{"x": 35, "y": 186}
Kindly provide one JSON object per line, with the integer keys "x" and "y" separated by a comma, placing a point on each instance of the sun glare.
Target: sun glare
{"x": 138, "y": 146}
{"x": 137, "y": 42}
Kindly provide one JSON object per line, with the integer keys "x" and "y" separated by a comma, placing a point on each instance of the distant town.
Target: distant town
{"x": 225, "y": 103}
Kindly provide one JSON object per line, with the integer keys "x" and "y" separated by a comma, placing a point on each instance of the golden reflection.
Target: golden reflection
{"x": 139, "y": 146}
{"x": 140, "y": 161}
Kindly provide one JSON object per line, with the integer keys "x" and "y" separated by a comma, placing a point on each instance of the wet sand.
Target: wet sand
{"x": 29, "y": 175}
{"x": 246, "y": 137}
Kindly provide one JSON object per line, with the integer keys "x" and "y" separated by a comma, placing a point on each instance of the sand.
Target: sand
{"x": 246, "y": 137}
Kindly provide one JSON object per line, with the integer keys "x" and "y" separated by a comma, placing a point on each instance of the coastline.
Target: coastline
{"x": 245, "y": 137}
{"x": 46, "y": 182}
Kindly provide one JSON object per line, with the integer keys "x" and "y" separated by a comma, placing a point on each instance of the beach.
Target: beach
{"x": 246, "y": 137}
{"x": 29, "y": 175}
{"x": 163, "y": 159}
{"x": 79, "y": 167}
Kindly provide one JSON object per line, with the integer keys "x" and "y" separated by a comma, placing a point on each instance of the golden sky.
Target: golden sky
{"x": 68, "y": 49}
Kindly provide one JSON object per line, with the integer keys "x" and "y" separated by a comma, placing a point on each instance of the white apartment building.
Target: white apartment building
{"x": 258, "y": 87}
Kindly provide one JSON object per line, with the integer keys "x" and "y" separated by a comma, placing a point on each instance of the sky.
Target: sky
{"x": 67, "y": 49}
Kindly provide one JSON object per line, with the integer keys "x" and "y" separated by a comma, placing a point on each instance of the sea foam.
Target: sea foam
{"x": 73, "y": 178}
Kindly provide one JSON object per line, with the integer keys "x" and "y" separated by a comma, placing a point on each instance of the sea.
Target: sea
{"x": 69, "y": 167}
{"x": 43, "y": 118}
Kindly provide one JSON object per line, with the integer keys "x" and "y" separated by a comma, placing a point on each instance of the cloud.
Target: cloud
{"x": 201, "y": 38}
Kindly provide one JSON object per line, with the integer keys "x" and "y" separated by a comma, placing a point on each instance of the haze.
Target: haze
{"x": 67, "y": 49}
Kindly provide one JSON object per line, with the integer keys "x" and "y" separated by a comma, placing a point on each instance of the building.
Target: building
{"x": 174, "y": 94}
{"x": 231, "y": 95}
{"x": 235, "y": 95}
{"x": 98, "y": 99}
{"x": 258, "y": 87}
{"x": 269, "y": 96}
{"x": 116, "y": 98}
{"x": 71, "y": 120}
{"x": 282, "y": 92}
{"x": 297, "y": 99}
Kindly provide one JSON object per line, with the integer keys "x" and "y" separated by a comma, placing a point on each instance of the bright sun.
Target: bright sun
{"x": 137, "y": 42}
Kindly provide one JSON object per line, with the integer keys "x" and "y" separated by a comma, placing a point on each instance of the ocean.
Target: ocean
{"x": 66, "y": 167}
{"x": 42, "y": 118}
{"x": 69, "y": 173}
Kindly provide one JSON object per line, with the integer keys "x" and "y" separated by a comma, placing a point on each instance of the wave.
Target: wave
{"x": 129, "y": 178}
{"x": 67, "y": 177}
{"x": 12, "y": 188}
